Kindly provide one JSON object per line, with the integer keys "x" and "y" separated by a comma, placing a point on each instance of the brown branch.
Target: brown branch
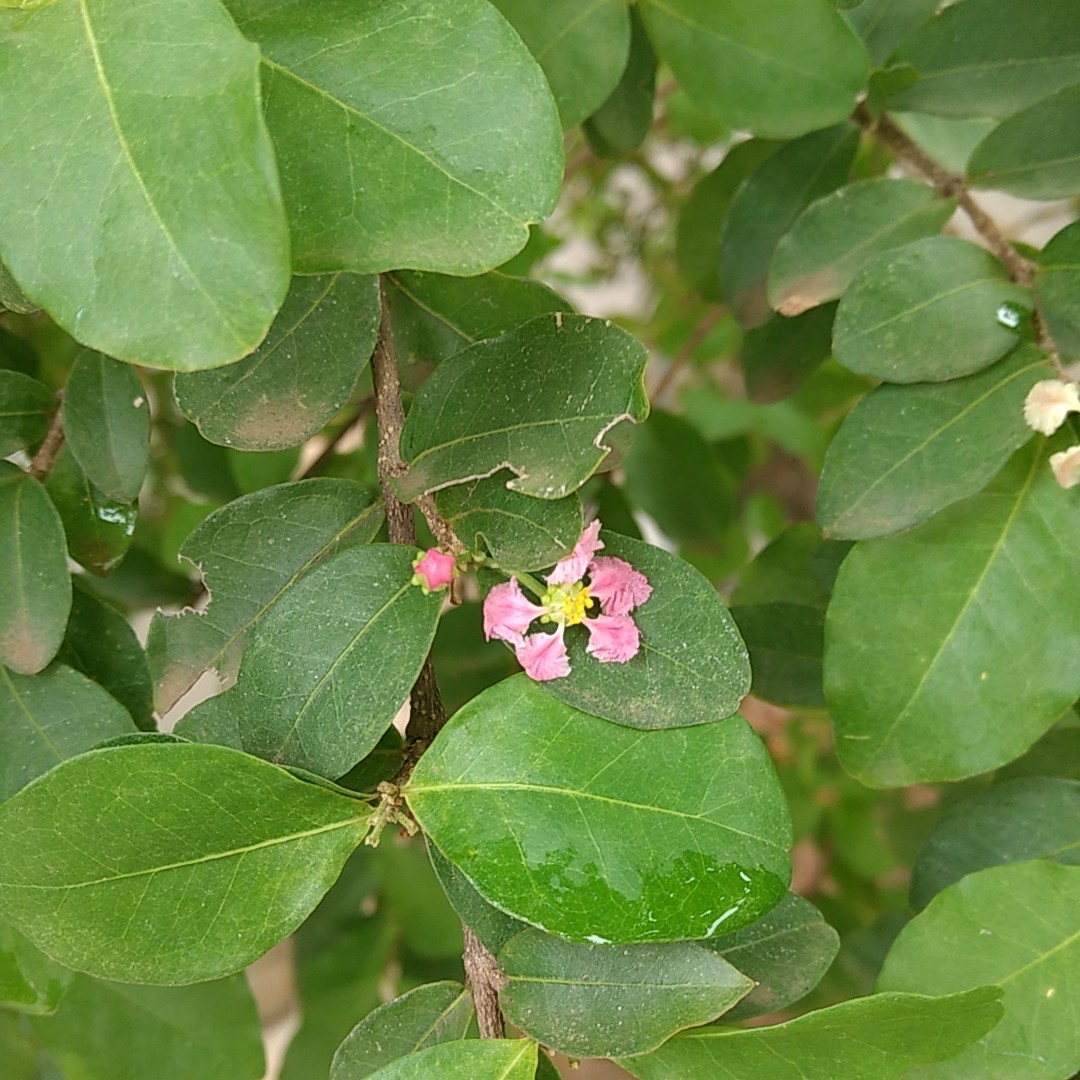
{"x": 700, "y": 332}
{"x": 45, "y": 458}
{"x": 485, "y": 978}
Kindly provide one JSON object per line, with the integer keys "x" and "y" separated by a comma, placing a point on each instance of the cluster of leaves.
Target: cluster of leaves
{"x": 212, "y": 218}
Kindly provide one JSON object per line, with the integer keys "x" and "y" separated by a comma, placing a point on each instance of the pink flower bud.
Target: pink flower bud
{"x": 434, "y": 569}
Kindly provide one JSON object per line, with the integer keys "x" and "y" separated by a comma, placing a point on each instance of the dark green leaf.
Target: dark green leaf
{"x": 26, "y": 407}
{"x": 29, "y": 981}
{"x": 383, "y": 763}
{"x": 934, "y": 309}
{"x": 474, "y": 1059}
{"x": 17, "y": 354}
{"x": 538, "y": 400}
{"x": 603, "y": 1001}
{"x": 211, "y": 855}
{"x": 619, "y": 820}
{"x": 796, "y": 568}
{"x": 883, "y": 24}
{"x": 1057, "y": 287}
{"x": 143, "y": 125}
{"x": 419, "y": 135}
{"x": 465, "y": 662}
{"x": 786, "y": 643}
{"x": 1057, "y": 753}
{"x": 781, "y": 355}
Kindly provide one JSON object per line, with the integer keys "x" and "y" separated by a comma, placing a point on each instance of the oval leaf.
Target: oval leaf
{"x": 620, "y": 819}
{"x": 1057, "y": 287}
{"x": 883, "y": 24}
{"x": 26, "y": 407}
{"x": 475, "y": 1059}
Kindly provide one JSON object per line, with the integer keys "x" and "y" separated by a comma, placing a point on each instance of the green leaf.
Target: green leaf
{"x": 1011, "y": 925}
{"x": 767, "y": 205}
{"x": 113, "y": 1031}
{"x": 990, "y": 57}
{"x": 538, "y": 400}
{"x": 99, "y": 530}
{"x": 964, "y": 672}
{"x": 582, "y": 49}
{"x": 933, "y": 309}
{"x": 474, "y": 1059}
{"x": 301, "y": 375}
{"x": 466, "y": 663}
{"x": 906, "y": 452}
{"x": 421, "y": 135}
{"x": 251, "y": 553}
{"x": 873, "y": 1038}
{"x": 26, "y": 407}
{"x": 210, "y": 854}
{"x": 426, "y": 1016}
{"x": 1057, "y": 288}
{"x": 692, "y": 667}
{"x": 796, "y": 568}
{"x": 143, "y": 124}
{"x": 17, "y": 354}
{"x": 107, "y": 424}
{"x": 773, "y": 67}
{"x": 520, "y": 532}
{"x": 883, "y": 24}
{"x": 29, "y": 981}
{"x": 47, "y": 718}
{"x": 786, "y": 953}
{"x": 327, "y": 668}
{"x": 1035, "y": 153}
{"x": 11, "y": 296}
{"x": 785, "y": 642}
{"x": 35, "y": 588}
{"x": 834, "y": 236}
{"x": 779, "y": 356}
{"x": 619, "y": 820}
{"x": 1028, "y": 818}
{"x": 599, "y": 1001}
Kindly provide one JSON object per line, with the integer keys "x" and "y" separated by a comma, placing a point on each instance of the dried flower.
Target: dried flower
{"x": 1048, "y": 403}
{"x": 1066, "y": 466}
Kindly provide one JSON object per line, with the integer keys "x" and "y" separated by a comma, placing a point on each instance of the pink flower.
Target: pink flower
{"x": 434, "y": 570}
{"x": 613, "y": 584}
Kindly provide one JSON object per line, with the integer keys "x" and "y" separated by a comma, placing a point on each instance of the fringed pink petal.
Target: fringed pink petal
{"x": 612, "y": 638}
{"x": 543, "y": 656}
{"x": 573, "y": 567}
{"x": 507, "y": 612}
{"x": 617, "y": 585}
{"x": 436, "y": 568}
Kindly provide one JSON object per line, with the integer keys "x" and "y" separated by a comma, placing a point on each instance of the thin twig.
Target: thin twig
{"x": 700, "y": 332}
{"x": 45, "y": 458}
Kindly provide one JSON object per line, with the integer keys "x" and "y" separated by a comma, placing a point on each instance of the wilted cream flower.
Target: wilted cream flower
{"x": 1048, "y": 403}
{"x": 1066, "y": 466}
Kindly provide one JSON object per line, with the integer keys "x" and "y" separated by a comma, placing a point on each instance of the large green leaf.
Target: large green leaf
{"x": 587, "y": 829}
{"x": 933, "y": 309}
{"x": 474, "y": 1059}
{"x": 1014, "y": 926}
{"x": 327, "y": 668}
{"x": 693, "y": 666}
{"x": 35, "y": 587}
{"x": 834, "y": 236}
{"x": 603, "y": 1001}
{"x": 1057, "y": 288}
{"x": 782, "y": 354}
{"x": 774, "y": 67}
{"x": 947, "y": 648}
{"x": 990, "y": 57}
{"x": 416, "y": 134}
{"x": 143, "y": 124}
{"x": 906, "y": 452}
{"x": 212, "y": 855}
{"x": 1027, "y": 818}
{"x": 425, "y": 1016}
{"x": 538, "y": 400}
{"x": 300, "y": 376}
{"x": 883, "y": 24}
{"x": 873, "y": 1038}
{"x": 29, "y": 981}
{"x": 251, "y": 553}
{"x": 26, "y": 407}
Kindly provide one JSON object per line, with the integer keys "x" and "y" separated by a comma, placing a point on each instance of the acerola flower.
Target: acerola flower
{"x": 613, "y": 584}
{"x": 1066, "y": 466}
{"x": 1048, "y": 403}
{"x": 434, "y": 570}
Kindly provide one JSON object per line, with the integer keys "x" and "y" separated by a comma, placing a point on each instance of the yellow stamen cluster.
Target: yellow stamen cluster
{"x": 567, "y": 604}
{"x": 576, "y": 604}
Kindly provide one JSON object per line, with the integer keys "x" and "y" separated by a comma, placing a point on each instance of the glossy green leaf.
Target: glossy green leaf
{"x": 99, "y": 530}
{"x": 785, "y": 642}
{"x": 474, "y": 1059}
{"x": 113, "y": 1031}
{"x": 47, "y": 718}
{"x": 964, "y": 672}
{"x": 883, "y": 24}
{"x": 251, "y": 553}
{"x": 782, "y": 354}
{"x": 990, "y": 57}
{"x": 107, "y": 424}
{"x": 786, "y": 953}
{"x": 144, "y": 126}
{"x": 774, "y": 67}
{"x": 835, "y": 235}
{"x": 419, "y": 134}
{"x": 906, "y": 452}
{"x": 327, "y": 668}
{"x": 29, "y": 981}
{"x": 538, "y": 400}
{"x": 582, "y": 49}
{"x": 520, "y": 791}
{"x": 933, "y": 309}
{"x": 692, "y": 667}
{"x": 300, "y": 376}
{"x": 603, "y": 1001}
{"x": 518, "y": 531}
{"x": 1027, "y": 818}
{"x": 768, "y": 204}
{"x": 1014, "y": 926}
{"x": 210, "y": 854}
{"x": 882, "y": 1037}
{"x": 1057, "y": 288}
{"x": 1035, "y": 153}
{"x": 426, "y": 1016}
{"x": 35, "y": 588}
{"x": 26, "y": 407}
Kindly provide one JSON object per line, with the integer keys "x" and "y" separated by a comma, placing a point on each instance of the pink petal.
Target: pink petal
{"x": 507, "y": 612}
{"x": 543, "y": 656}
{"x": 436, "y": 568}
{"x": 617, "y": 585}
{"x": 573, "y": 567}
{"x": 613, "y": 638}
